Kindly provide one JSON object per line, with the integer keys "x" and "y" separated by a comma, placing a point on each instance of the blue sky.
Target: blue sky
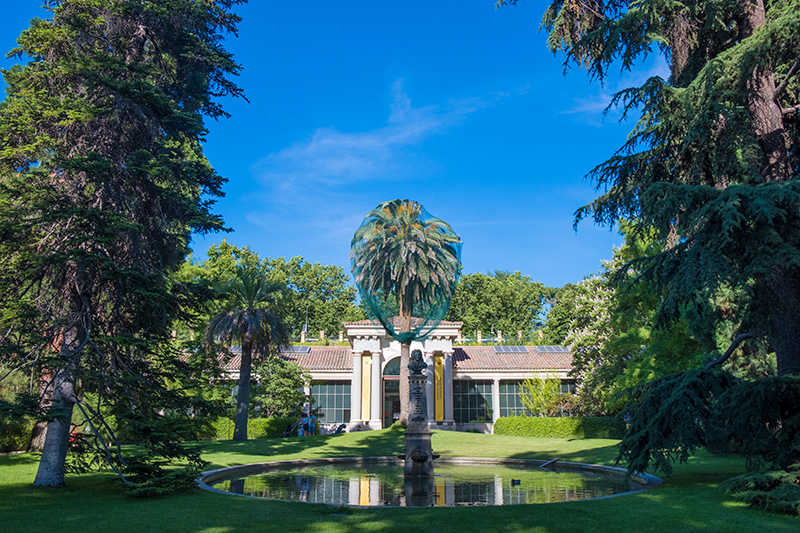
{"x": 451, "y": 103}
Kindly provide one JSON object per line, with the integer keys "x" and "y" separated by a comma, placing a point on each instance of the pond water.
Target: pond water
{"x": 453, "y": 485}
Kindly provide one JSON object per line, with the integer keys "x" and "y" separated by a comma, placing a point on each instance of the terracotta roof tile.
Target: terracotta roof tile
{"x": 323, "y": 358}
{"x": 375, "y": 323}
{"x": 484, "y": 358}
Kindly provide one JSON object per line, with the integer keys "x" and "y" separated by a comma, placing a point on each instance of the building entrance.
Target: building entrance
{"x": 391, "y": 402}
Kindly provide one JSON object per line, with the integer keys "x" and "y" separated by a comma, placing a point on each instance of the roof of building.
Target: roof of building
{"x": 318, "y": 358}
{"x": 340, "y": 358}
{"x": 485, "y": 358}
{"x": 445, "y": 323}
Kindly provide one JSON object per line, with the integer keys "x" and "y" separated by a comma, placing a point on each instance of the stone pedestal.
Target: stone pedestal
{"x": 419, "y": 455}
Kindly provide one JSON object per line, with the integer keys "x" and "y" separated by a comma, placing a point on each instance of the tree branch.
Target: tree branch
{"x": 729, "y": 351}
{"x": 790, "y": 110}
{"x": 782, "y": 87}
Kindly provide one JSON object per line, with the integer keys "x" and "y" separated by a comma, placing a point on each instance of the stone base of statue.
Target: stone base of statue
{"x": 419, "y": 454}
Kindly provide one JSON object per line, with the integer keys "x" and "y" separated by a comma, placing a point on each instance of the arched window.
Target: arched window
{"x": 392, "y": 368}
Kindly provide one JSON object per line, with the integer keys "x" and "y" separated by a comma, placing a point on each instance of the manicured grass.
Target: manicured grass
{"x": 689, "y": 501}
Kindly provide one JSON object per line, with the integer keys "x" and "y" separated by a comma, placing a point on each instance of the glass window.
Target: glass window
{"x": 392, "y": 368}
{"x": 332, "y": 401}
{"x": 472, "y": 400}
{"x": 567, "y": 386}
{"x": 510, "y": 402}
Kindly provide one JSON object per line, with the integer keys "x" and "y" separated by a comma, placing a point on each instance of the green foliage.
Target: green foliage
{"x": 247, "y": 318}
{"x": 537, "y": 394}
{"x": 674, "y": 416}
{"x": 15, "y": 435}
{"x": 776, "y": 491}
{"x": 500, "y": 301}
{"x": 257, "y": 428}
{"x": 280, "y": 388}
{"x": 102, "y": 181}
{"x": 320, "y": 294}
{"x": 176, "y": 481}
{"x": 710, "y": 168}
{"x": 590, "y": 427}
{"x": 406, "y": 264}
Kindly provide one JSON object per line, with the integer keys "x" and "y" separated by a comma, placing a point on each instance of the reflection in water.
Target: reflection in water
{"x": 378, "y": 485}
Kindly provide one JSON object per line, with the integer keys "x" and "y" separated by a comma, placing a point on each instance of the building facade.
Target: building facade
{"x": 467, "y": 386}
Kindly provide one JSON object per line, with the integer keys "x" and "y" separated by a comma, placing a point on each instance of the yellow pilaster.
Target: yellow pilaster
{"x": 366, "y": 389}
{"x": 438, "y": 387}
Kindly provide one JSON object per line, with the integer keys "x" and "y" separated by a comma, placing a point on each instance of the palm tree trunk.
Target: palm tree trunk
{"x": 405, "y": 351}
{"x": 405, "y": 354}
{"x": 243, "y": 397}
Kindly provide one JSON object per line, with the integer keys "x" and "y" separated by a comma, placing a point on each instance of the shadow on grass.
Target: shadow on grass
{"x": 93, "y": 502}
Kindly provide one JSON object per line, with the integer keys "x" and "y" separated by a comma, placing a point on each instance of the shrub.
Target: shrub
{"x": 589, "y": 427}
{"x": 15, "y": 435}
{"x": 257, "y": 428}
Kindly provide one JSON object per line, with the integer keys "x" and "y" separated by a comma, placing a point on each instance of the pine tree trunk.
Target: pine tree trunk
{"x": 52, "y": 465}
{"x": 46, "y": 396}
{"x": 777, "y": 165}
{"x": 785, "y": 324}
{"x": 243, "y": 397}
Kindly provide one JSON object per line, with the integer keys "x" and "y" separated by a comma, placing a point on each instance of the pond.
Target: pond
{"x": 380, "y": 482}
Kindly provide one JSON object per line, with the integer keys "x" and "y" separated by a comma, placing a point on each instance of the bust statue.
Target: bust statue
{"x": 416, "y": 365}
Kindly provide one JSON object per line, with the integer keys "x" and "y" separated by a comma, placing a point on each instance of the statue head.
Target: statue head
{"x": 416, "y": 364}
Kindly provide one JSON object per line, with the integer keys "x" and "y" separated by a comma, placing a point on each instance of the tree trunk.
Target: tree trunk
{"x": 52, "y": 465}
{"x": 765, "y": 111}
{"x": 777, "y": 165}
{"x": 785, "y": 332}
{"x": 243, "y": 398}
{"x": 45, "y": 397}
{"x": 405, "y": 351}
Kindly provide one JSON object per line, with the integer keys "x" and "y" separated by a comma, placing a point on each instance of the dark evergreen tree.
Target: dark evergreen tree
{"x": 711, "y": 164}
{"x": 711, "y": 167}
{"x": 102, "y": 179}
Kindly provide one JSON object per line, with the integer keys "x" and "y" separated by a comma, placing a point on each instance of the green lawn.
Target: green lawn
{"x": 689, "y": 501}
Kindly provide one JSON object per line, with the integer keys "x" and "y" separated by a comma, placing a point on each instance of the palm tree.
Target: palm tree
{"x": 406, "y": 264}
{"x": 247, "y": 319}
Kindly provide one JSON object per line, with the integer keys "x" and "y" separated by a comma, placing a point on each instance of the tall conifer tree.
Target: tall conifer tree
{"x": 712, "y": 162}
{"x": 102, "y": 179}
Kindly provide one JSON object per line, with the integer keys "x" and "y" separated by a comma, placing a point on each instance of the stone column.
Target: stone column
{"x": 355, "y": 391}
{"x": 448, "y": 388}
{"x": 429, "y": 392}
{"x": 375, "y": 419}
{"x": 495, "y": 400}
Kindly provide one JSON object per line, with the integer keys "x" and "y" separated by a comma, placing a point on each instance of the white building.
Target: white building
{"x": 468, "y": 386}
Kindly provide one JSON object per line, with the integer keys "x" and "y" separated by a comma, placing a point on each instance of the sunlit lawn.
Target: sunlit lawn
{"x": 689, "y": 501}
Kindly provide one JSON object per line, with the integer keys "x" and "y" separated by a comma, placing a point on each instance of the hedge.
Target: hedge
{"x": 15, "y": 435}
{"x": 590, "y": 427}
{"x": 257, "y": 428}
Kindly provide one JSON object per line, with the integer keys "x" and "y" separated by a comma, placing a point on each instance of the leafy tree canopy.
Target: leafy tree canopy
{"x": 321, "y": 294}
{"x": 500, "y": 301}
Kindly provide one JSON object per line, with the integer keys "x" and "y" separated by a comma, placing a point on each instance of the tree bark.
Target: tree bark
{"x": 52, "y": 465}
{"x": 777, "y": 165}
{"x": 405, "y": 353}
{"x": 785, "y": 327}
{"x": 243, "y": 397}
{"x": 39, "y": 433}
